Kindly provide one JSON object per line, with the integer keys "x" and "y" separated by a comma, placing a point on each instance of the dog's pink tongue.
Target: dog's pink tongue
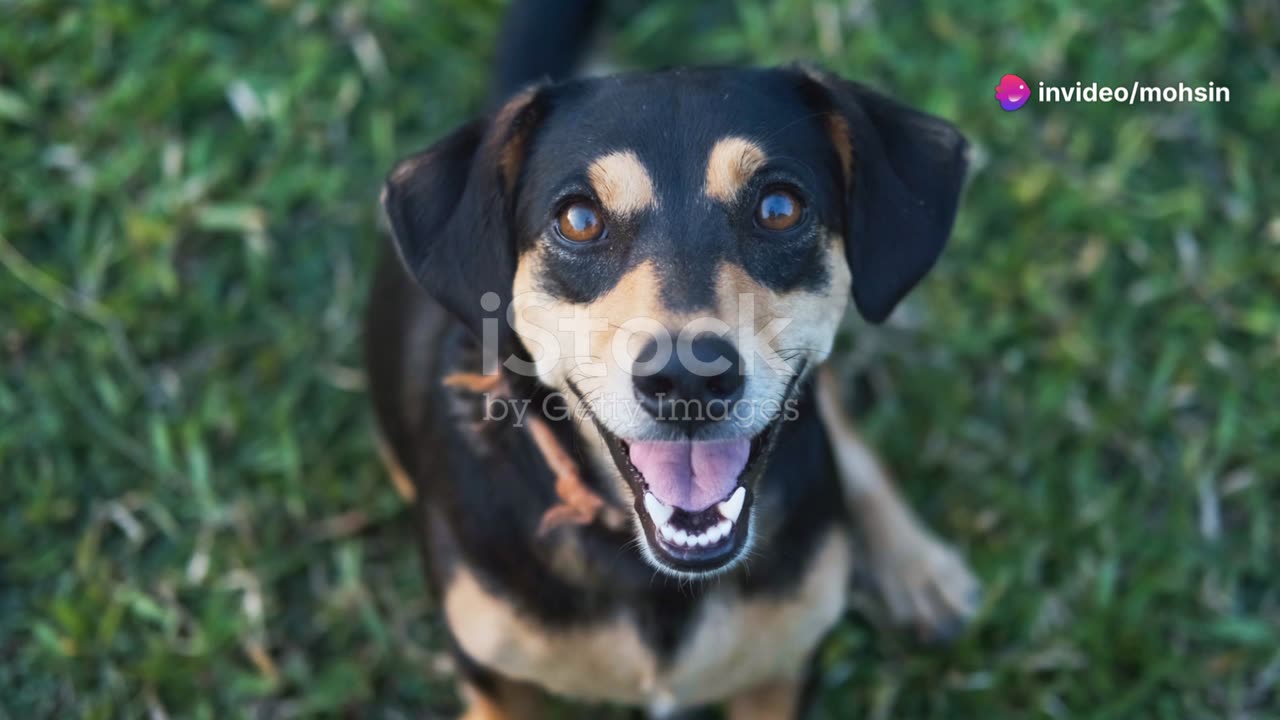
{"x": 692, "y": 476}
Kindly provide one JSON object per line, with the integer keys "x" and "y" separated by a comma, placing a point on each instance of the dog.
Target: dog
{"x": 596, "y": 358}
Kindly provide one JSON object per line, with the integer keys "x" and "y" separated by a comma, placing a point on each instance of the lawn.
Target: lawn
{"x": 1085, "y": 395}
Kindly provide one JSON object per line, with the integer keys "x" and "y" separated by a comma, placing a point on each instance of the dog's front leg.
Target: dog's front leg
{"x": 924, "y": 582}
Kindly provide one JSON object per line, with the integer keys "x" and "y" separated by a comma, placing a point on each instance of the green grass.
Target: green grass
{"x": 1083, "y": 395}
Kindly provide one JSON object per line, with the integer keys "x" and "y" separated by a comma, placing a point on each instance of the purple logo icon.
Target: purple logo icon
{"x": 1012, "y": 92}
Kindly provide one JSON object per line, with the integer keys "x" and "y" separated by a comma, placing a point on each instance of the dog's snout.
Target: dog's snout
{"x": 698, "y": 383}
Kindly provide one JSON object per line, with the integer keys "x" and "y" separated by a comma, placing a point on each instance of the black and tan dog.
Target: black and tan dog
{"x": 654, "y": 266}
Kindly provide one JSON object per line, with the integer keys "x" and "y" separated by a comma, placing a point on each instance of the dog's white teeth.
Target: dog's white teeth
{"x": 719, "y": 531}
{"x": 724, "y": 528}
{"x": 730, "y": 509}
{"x": 683, "y": 538}
{"x": 657, "y": 510}
{"x": 661, "y": 513}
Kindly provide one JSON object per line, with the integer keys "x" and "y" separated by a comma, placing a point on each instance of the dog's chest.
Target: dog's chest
{"x": 732, "y": 644}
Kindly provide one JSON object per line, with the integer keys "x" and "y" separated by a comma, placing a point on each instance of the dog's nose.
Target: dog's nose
{"x": 702, "y": 390}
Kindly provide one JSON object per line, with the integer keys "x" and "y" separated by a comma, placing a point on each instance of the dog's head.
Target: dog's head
{"x": 674, "y": 251}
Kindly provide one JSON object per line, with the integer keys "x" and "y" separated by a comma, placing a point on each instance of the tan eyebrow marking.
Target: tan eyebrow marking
{"x": 730, "y": 165}
{"x": 622, "y": 183}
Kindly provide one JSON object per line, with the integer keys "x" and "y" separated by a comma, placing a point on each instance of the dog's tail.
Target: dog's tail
{"x": 542, "y": 40}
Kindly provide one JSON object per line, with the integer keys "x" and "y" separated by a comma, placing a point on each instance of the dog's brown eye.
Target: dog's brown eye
{"x": 580, "y": 222}
{"x": 779, "y": 210}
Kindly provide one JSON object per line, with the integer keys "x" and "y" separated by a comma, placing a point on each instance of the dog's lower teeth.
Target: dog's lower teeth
{"x": 686, "y": 539}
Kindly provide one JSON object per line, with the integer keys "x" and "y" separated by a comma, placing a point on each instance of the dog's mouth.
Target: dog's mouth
{"x": 693, "y": 498}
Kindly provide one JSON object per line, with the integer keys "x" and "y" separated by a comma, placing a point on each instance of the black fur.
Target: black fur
{"x": 541, "y": 40}
{"x": 450, "y": 210}
{"x": 909, "y": 170}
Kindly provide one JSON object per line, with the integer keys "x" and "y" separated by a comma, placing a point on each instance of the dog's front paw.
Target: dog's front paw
{"x": 926, "y": 585}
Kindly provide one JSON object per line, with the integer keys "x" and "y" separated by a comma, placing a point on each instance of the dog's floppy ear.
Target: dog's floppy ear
{"x": 450, "y": 209}
{"x": 904, "y": 171}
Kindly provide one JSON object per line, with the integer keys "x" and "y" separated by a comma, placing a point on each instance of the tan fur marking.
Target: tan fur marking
{"x": 637, "y": 295}
{"x": 838, "y": 129}
{"x": 730, "y": 165}
{"x": 406, "y": 169}
{"x": 777, "y": 700}
{"x": 503, "y": 138}
{"x": 740, "y": 644}
{"x": 733, "y": 646}
{"x": 608, "y": 661}
{"x": 510, "y": 701}
{"x": 813, "y": 316}
{"x": 581, "y": 337}
{"x": 622, "y": 183}
{"x": 481, "y": 707}
{"x": 511, "y": 155}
